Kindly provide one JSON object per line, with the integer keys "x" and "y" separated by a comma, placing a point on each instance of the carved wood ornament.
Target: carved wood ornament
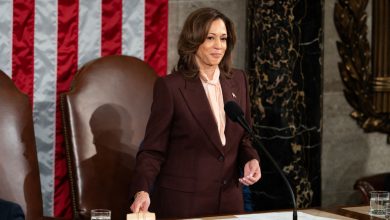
{"x": 365, "y": 90}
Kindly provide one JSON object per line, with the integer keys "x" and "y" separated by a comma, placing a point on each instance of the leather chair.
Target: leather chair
{"x": 105, "y": 115}
{"x": 365, "y": 185}
{"x": 19, "y": 171}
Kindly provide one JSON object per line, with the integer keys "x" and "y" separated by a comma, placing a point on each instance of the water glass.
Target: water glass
{"x": 100, "y": 214}
{"x": 378, "y": 201}
{"x": 387, "y": 210}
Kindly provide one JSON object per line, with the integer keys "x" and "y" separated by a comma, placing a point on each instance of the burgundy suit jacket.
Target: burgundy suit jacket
{"x": 181, "y": 161}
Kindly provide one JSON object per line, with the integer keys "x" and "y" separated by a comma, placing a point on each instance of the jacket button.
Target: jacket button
{"x": 224, "y": 182}
{"x": 221, "y": 158}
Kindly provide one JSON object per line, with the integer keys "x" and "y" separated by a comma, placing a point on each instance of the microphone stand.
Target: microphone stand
{"x": 257, "y": 142}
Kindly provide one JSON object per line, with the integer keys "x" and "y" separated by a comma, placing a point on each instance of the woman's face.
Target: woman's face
{"x": 212, "y": 50}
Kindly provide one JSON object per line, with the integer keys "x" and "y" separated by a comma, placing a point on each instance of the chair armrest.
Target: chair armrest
{"x": 369, "y": 183}
{"x": 364, "y": 188}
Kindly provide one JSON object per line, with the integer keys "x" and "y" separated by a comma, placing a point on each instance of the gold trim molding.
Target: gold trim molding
{"x": 350, "y": 19}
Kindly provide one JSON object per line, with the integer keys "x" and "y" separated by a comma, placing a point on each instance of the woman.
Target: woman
{"x": 192, "y": 155}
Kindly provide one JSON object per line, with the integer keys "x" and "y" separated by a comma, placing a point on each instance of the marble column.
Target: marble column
{"x": 285, "y": 76}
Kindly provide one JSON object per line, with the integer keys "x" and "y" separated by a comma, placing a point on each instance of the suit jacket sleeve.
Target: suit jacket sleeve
{"x": 153, "y": 148}
{"x": 17, "y": 213}
{"x": 10, "y": 210}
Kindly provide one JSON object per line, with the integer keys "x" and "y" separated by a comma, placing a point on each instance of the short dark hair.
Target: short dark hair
{"x": 194, "y": 33}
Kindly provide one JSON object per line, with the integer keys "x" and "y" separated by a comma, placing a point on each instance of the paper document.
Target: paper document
{"x": 277, "y": 215}
{"x": 285, "y": 215}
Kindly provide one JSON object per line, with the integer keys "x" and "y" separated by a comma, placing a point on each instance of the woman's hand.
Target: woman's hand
{"x": 141, "y": 202}
{"x": 252, "y": 173}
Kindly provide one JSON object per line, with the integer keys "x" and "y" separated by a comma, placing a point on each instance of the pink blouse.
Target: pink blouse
{"x": 214, "y": 95}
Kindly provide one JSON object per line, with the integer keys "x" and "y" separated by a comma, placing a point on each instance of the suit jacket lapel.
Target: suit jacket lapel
{"x": 229, "y": 90}
{"x": 198, "y": 104}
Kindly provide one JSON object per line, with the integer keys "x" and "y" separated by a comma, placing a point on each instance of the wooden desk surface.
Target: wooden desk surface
{"x": 358, "y": 212}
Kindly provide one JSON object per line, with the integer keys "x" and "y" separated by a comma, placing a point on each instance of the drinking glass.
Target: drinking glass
{"x": 387, "y": 210}
{"x": 100, "y": 214}
{"x": 378, "y": 200}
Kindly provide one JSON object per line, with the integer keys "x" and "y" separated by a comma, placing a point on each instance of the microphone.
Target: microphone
{"x": 235, "y": 114}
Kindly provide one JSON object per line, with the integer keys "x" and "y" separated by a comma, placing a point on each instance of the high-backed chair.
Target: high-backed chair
{"x": 19, "y": 171}
{"x": 370, "y": 183}
{"x": 105, "y": 115}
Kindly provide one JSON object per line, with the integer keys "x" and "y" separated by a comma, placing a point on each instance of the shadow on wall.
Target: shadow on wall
{"x": 356, "y": 168}
{"x": 344, "y": 167}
